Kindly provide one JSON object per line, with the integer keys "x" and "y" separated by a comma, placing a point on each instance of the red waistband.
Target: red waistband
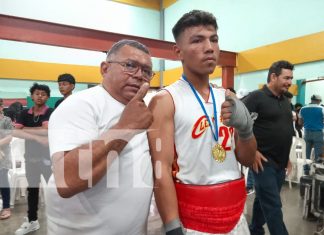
{"x": 211, "y": 208}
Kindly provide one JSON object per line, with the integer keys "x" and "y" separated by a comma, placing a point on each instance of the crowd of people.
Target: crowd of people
{"x": 103, "y": 152}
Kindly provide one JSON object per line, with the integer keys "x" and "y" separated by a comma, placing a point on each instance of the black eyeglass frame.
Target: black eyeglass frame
{"x": 129, "y": 65}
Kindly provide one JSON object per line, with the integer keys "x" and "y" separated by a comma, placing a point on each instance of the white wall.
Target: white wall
{"x": 247, "y": 24}
{"x": 243, "y": 24}
{"x": 95, "y": 14}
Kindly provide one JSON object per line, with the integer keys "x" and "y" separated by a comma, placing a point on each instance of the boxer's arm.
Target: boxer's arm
{"x": 235, "y": 114}
{"x": 245, "y": 150}
{"x": 161, "y": 140}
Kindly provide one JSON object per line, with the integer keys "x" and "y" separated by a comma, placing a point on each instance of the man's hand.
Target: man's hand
{"x": 136, "y": 115}
{"x": 235, "y": 114}
{"x": 258, "y": 162}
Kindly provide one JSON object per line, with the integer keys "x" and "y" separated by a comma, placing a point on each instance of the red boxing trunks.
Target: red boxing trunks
{"x": 211, "y": 208}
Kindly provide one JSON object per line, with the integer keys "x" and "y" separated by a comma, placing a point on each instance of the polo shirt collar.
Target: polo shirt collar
{"x": 266, "y": 90}
{"x": 43, "y": 111}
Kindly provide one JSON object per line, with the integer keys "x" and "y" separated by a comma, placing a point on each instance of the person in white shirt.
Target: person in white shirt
{"x": 198, "y": 136}
{"x": 102, "y": 174}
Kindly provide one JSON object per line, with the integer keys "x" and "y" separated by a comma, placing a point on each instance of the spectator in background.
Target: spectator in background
{"x": 289, "y": 97}
{"x": 273, "y": 130}
{"x": 312, "y": 117}
{"x": 14, "y": 110}
{"x": 5, "y": 162}
{"x": 298, "y": 126}
{"x": 66, "y": 83}
{"x": 31, "y": 125}
{"x": 293, "y": 113}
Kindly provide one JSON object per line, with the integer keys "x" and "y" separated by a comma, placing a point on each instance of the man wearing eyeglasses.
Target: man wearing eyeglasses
{"x": 102, "y": 181}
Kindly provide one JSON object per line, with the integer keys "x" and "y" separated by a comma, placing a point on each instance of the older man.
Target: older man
{"x": 102, "y": 181}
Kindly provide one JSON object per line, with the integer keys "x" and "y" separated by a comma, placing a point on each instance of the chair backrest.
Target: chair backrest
{"x": 292, "y": 153}
{"x": 300, "y": 148}
{"x": 297, "y": 149}
{"x": 17, "y": 146}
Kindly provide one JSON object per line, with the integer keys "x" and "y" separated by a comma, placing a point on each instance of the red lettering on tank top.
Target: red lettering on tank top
{"x": 199, "y": 127}
{"x": 225, "y": 133}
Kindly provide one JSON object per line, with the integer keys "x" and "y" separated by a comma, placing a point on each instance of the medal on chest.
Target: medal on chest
{"x": 218, "y": 152}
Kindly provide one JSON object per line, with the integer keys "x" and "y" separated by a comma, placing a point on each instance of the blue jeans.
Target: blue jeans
{"x": 267, "y": 204}
{"x": 250, "y": 179}
{"x": 314, "y": 139}
{"x": 4, "y": 188}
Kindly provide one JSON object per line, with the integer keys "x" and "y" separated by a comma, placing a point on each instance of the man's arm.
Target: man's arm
{"x": 76, "y": 171}
{"x": 161, "y": 140}
{"x": 100, "y": 153}
{"x": 38, "y": 134}
{"x": 31, "y": 133}
{"x": 5, "y": 140}
{"x": 39, "y": 131}
{"x": 6, "y": 132}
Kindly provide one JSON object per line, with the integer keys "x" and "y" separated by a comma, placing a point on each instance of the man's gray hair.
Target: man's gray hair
{"x": 126, "y": 42}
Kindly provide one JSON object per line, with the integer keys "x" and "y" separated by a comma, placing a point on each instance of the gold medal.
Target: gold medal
{"x": 219, "y": 153}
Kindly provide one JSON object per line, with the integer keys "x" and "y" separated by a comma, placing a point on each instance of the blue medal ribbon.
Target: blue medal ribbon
{"x": 215, "y": 134}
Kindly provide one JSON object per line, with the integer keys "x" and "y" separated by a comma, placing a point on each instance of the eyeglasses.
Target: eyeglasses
{"x": 132, "y": 67}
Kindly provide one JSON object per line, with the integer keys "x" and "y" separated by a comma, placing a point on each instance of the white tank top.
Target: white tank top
{"x": 194, "y": 139}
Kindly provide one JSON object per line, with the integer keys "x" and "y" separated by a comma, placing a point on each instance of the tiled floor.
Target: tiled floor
{"x": 292, "y": 207}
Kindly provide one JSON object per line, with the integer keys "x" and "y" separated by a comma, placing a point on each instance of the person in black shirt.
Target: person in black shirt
{"x": 31, "y": 125}
{"x": 66, "y": 83}
{"x": 273, "y": 130}
{"x": 298, "y": 126}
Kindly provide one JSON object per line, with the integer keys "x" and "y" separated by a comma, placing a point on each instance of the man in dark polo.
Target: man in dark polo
{"x": 273, "y": 130}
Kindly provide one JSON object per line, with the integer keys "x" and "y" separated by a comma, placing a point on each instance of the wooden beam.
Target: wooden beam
{"x": 227, "y": 58}
{"x": 47, "y": 33}
{"x": 228, "y": 76}
{"x": 41, "y": 32}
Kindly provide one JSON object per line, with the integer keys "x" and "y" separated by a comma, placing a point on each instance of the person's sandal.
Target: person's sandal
{"x": 5, "y": 213}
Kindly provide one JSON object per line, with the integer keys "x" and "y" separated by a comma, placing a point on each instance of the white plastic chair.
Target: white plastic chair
{"x": 17, "y": 175}
{"x": 298, "y": 159}
{"x": 312, "y": 155}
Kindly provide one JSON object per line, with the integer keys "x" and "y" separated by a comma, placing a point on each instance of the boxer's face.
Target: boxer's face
{"x": 197, "y": 47}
